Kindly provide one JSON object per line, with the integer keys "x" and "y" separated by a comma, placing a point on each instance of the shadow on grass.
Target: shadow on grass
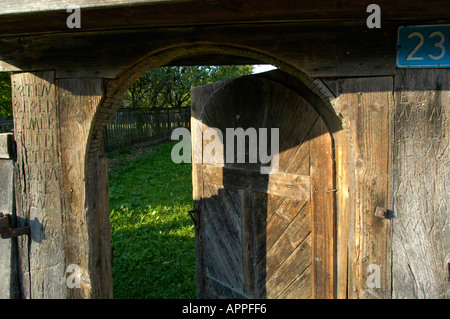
{"x": 154, "y": 261}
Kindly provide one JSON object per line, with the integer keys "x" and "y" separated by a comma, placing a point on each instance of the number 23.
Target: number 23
{"x": 439, "y": 44}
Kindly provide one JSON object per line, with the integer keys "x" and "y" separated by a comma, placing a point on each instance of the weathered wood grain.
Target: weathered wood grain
{"x": 281, "y": 184}
{"x": 306, "y": 46}
{"x": 291, "y": 269}
{"x": 28, "y": 6}
{"x": 99, "y": 230}
{"x": 281, "y": 219}
{"x": 223, "y": 253}
{"x": 9, "y": 283}
{"x": 289, "y": 240}
{"x": 366, "y": 105}
{"x": 299, "y": 288}
{"x": 273, "y": 229}
{"x": 323, "y": 212}
{"x": 28, "y": 16}
{"x": 37, "y": 186}
{"x": 323, "y": 99}
{"x": 421, "y": 229}
{"x": 53, "y": 122}
{"x": 78, "y": 101}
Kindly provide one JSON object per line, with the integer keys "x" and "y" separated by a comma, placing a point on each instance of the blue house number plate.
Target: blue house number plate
{"x": 423, "y": 47}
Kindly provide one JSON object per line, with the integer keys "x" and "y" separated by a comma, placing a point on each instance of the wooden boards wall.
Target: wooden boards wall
{"x": 399, "y": 128}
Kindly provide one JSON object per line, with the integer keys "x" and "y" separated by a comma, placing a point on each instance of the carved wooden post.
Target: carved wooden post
{"x": 421, "y": 232}
{"x": 52, "y": 124}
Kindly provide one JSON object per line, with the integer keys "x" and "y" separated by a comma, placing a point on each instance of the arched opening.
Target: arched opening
{"x": 314, "y": 91}
{"x": 152, "y": 235}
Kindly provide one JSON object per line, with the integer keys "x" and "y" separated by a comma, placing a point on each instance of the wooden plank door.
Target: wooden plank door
{"x": 262, "y": 235}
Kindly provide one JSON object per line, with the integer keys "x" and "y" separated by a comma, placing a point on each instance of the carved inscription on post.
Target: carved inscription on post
{"x": 38, "y": 184}
{"x": 421, "y": 243}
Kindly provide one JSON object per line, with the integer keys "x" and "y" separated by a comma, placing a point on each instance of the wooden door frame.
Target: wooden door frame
{"x": 313, "y": 90}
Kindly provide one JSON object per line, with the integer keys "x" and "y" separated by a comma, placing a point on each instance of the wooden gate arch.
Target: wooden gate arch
{"x": 312, "y": 89}
{"x": 388, "y": 122}
{"x": 83, "y": 173}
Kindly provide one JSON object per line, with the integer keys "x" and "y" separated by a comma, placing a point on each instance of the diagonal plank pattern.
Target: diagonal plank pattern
{"x": 258, "y": 235}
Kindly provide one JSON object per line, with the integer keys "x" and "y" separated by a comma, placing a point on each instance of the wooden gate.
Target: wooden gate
{"x": 262, "y": 235}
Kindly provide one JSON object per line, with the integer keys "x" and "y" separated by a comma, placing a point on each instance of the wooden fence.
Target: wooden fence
{"x": 131, "y": 126}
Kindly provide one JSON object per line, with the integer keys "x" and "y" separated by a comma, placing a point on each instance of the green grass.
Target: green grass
{"x": 152, "y": 234}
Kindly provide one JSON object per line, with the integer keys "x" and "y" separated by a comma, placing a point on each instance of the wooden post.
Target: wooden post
{"x": 367, "y": 105}
{"x": 53, "y": 120}
{"x": 421, "y": 238}
{"x": 9, "y": 282}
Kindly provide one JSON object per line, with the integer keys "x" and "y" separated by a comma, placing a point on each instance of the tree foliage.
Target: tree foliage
{"x": 162, "y": 87}
{"x": 171, "y": 86}
{"x": 5, "y": 96}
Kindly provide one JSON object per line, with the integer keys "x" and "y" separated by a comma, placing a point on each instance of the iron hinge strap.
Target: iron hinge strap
{"x": 7, "y": 232}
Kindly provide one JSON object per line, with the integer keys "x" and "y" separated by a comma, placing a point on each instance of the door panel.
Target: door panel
{"x": 263, "y": 235}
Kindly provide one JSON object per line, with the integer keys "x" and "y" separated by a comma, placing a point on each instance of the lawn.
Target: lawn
{"x": 152, "y": 234}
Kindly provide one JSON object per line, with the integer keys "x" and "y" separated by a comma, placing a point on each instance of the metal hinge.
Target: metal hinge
{"x": 7, "y": 232}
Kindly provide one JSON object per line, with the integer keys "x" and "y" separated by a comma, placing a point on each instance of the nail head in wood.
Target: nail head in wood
{"x": 381, "y": 212}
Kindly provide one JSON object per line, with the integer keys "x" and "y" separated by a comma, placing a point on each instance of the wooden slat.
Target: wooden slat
{"x": 223, "y": 254}
{"x": 268, "y": 235}
{"x": 300, "y": 161}
{"x": 281, "y": 184}
{"x": 248, "y": 242}
{"x": 281, "y": 219}
{"x": 297, "y": 231}
{"x": 367, "y": 107}
{"x": 300, "y": 288}
{"x": 289, "y": 270}
{"x": 323, "y": 218}
{"x": 301, "y": 122}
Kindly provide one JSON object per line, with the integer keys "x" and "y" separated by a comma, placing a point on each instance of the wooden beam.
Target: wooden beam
{"x": 30, "y": 6}
{"x": 32, "y": 17}
{"x": 316, "y": 49}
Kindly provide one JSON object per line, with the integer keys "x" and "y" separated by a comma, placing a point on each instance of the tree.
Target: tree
{"x": 5, "y": 96}
{"x": 171, "y": 86}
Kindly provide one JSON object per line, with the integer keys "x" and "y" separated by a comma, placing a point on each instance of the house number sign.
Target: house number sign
{"x": 423, "y": 47}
